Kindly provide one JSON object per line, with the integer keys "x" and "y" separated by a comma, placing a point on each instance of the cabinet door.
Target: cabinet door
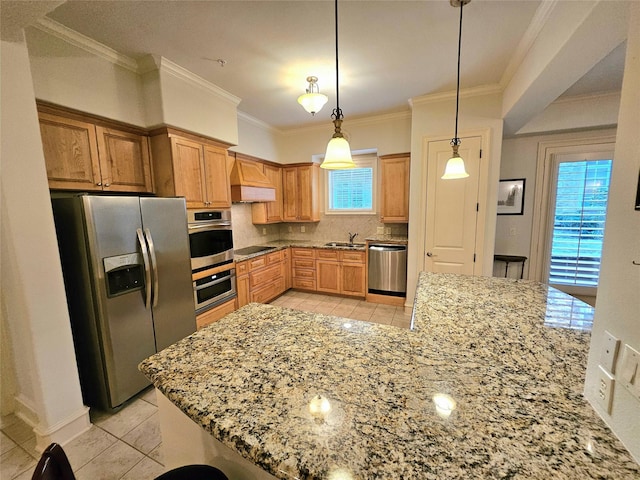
{"x": 188, "y": 171}
{"x": 124, "y": 161}
{"x": 395, "y": 190}
{"x": 242, "y": 287}
{"x": 287, "y": 268}
{"x": 307, "y": 191}
{"x": 218, "y": 189}
{"x": 290, "y": 196}
{"x": 274, "y": 209}
{"x": 327, "y": 276}
{"x": 70, "y": 153}
{"x": 353, "y": 279}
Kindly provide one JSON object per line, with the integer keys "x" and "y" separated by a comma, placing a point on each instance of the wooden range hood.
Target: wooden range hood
{"x": 249, "y": 183}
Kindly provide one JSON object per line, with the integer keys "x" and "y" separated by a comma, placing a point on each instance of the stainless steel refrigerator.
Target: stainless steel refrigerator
{"x": 127, "y": 274}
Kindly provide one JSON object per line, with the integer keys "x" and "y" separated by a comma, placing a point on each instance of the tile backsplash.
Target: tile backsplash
{"x": 329, "y": 228}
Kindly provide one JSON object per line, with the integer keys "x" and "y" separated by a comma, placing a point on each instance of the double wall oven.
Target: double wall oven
{"x": 211, "y": 243}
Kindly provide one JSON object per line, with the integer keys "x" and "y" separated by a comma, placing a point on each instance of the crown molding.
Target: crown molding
{"x": 85, "y": 43}
{"x": 540, "y": 18}
{"x": 588, "y": 97}
{"x": 258, "y": 123}
{"x": 167, "y": 66}
{"x": 480, "y": 91}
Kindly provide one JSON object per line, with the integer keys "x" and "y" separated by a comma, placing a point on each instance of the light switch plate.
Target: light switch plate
{"x": 629, "y": 373}
{"x": 609, "y": 352}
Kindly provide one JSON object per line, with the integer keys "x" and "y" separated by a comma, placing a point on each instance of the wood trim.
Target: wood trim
{"x": 395, "y": 155}
{"x": 195, "y": 137}
{"x": 385, "y": 300}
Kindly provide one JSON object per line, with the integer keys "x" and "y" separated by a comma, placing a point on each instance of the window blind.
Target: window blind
{"x": 351, "y": 189}
{"x": 579, "y": 220}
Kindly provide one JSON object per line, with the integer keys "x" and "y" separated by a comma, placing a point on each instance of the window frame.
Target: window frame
{"x": 558, "y": 158}
{"x": 361, "y": 161}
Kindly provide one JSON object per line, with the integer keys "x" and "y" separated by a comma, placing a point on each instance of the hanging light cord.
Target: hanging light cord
{"x": 456, "y": 140}
{"x": 337, "y": 113}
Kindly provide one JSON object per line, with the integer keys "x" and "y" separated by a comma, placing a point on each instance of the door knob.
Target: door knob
{"x": 429, "y": 254}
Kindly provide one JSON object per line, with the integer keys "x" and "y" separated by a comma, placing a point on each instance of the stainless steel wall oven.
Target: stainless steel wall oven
{"x": 214, "y": 289}
{"x": 210, "y": 238}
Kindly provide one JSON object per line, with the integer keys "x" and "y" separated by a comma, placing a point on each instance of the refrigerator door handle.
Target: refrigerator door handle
{"x": 154, "y": 266}
{"x": 147, "y": 268}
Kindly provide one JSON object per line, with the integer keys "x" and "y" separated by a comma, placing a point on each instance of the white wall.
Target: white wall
{"x": 432, "y": 119}
{"x": 33, "y": 298}
{"x": 618, "y": 299}
{"x": 65, "y": 74}
{"x": 257, "y": 139}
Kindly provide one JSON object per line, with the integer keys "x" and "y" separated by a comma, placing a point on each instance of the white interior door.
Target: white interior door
{"x": 452, "y": 209}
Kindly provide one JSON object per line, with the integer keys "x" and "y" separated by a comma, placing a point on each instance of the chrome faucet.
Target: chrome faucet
{"x": 351, "y": 237}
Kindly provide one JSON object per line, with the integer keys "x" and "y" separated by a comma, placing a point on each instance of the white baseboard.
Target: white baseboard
{"x": 62, "y": 432}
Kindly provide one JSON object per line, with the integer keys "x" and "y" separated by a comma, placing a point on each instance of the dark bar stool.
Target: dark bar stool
{"x": 507, "y": 259}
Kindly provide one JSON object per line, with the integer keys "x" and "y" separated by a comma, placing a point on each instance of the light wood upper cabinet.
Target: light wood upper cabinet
{"x": 191, "y": 167}
{"x": 80, "y": 155}
{"x": 394, "y": 195}
{"x": 301, "y": 192}
{"x": 269, "y": 212}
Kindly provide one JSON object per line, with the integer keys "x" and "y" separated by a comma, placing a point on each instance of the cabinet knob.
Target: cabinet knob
{"x": 99, "y": 184}
{"x": 107, "y": 184}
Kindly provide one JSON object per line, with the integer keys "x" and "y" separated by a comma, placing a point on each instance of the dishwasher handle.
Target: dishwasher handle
{"x": 387, "y": 248}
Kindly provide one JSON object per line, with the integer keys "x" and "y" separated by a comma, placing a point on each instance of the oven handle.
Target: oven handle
{"x": 216, "y": 281}
{"x": 147, "y": 269}
{"x": 154, "y": 266}
{"x": 210, "y": 226}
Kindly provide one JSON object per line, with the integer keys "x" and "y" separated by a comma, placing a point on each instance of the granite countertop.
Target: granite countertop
{"x": 282, "y": 244}
{"x": 511, "y": 354}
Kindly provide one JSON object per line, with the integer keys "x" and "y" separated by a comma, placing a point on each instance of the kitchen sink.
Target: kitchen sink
{"x": 251, "y": 250}
{"x": 344, "y": 244}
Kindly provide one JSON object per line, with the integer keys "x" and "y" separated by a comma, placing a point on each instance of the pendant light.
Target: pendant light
{"x": 455, "y": 165}
{"x": 313, "y": 100}
{"x": 338, "y": 155}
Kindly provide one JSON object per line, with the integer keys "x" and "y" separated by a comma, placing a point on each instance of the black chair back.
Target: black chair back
{"x": 53, "y": 465}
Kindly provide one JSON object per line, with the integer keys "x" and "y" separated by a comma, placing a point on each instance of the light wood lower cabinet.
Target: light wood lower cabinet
{"x": 341, "y": 272}
{"x": 261, "y": 278}
{"x": 303, "y": 268}
{"x": 215, "y": 314}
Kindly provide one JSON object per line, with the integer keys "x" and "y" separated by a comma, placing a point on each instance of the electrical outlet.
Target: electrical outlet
{"x": 605, "y": 389}
{"x": 303, "y": 229}
{"x": 264, "y": 231}
{"x": 290, "y": 229}
{"x": 387, "y": 231}
{"x": 609, "y": 352}
{"x": 380, "y": 230}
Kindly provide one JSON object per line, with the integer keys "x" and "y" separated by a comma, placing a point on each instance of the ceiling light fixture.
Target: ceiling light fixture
{"x": 338, "y": 155}
{"x": 313, "y": 100}
{"x": 455, "y": 165}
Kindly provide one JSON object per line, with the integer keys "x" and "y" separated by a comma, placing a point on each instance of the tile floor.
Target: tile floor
{"x": 127, "y": 445}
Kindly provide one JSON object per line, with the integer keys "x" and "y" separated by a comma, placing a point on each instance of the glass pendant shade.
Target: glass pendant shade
{"x": 338, "y": 155}
{"x": 455, "y": 168}
{"x": 312, "y": 102}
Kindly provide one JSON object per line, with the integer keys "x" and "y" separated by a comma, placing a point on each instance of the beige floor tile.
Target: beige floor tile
{"x": 343, "y": 311}
{"x": 157, "y": 454}
{"x": 150, "y": 396}
{"x": 86, "y": 447}
{"x": 111, "y": 464}
{"x": 26, "y": 475}
{"x": 14, "y": 462}
{"x": 350, "y": 301}
{"x": 381, "y": 318}
{"x": 18, "y": 431}
{"x": 145, "y": 469}
{"x": 324, "y": 307}
{"x": 6, "y": 443}
{"x": 126, "y": 419}
{"x": 146, "y": 436}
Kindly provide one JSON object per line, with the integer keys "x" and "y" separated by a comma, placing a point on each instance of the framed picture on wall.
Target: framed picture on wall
{"x": 511, "y": 196}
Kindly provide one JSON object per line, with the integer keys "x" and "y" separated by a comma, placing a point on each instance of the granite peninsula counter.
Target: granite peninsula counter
{"x": 508, "y": 355}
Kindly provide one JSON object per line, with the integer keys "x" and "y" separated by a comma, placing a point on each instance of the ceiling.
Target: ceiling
{"x": 389, "y": 51}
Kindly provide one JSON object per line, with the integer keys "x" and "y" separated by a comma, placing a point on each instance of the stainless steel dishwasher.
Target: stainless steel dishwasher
{"x": 388, "y": 269}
